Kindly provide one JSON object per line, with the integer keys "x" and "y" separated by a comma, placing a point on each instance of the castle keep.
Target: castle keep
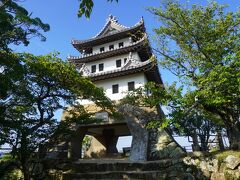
{"x": 118, "y": 59}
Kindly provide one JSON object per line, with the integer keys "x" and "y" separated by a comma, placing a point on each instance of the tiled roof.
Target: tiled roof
{"x": 108, "y": 53}
{"x": 100, "y": 35}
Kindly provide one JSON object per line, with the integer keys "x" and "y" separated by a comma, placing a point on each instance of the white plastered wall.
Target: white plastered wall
{"x": 139, "y": 81}
{"x": 110, "y": 63}
{"x": 126, "y": 41}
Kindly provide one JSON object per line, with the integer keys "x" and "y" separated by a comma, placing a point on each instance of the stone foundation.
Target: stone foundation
{"x": 203, "y": 167}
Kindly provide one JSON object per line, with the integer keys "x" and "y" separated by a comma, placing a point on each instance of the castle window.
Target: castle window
{"x": 102, "y": 49}
{"x": 93, "y": 68}
{"x": 111, "y": 47}
{"x": 101, "y": 67}
{"x": 115, "y": 88}
{"x": 125, "y": 60}
{"x": 118, "y": 63}
{"x": 120, "y": 44}
{"x": 131, "y": 86}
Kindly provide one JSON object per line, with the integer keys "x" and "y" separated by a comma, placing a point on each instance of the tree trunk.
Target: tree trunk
{"x": 219, "y": 140}
{"x": 234, "y": 137}
{"x": 25, "y": 172}
{"x": 24, "y": 155}
{"x": 195, "y": 145}
{"x": 204, "y": 142}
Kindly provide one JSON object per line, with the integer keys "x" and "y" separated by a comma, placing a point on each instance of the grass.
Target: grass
{"x": 9, "y": 169}
{"x": 6, "y": 157}
{"x": 221, "y": 155}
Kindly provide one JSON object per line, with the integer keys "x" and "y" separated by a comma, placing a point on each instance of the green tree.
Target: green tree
{"x": 17, "y": 25}
{"x": 184, "y": 116}
{"x": 33, "y": 88}
{"x": 189, "y": 118}
{"x": 201, "y": 46}
{"x": 86, "y": 6}
{"x": 47, "y": 85}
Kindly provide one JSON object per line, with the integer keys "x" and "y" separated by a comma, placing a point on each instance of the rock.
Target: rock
{"x": 204, "y": 168}
{"x": 196, "y": 162}
{"x": 213, "y": 165}
{"x": 162, "y": 145}
{"x": 222, "y": 167}
{"x": 232, "y": 162}
{"x": 188, "y": 170}
{"x": 237, "y": 174}
{"x": 188, "y": 176}
{"x": 231, "y": 174}
{"x": 187, "y": 160}
{"x": 197, "y": 154}
{"x": 217, "y": 176}
{"x": 203, "y": 165}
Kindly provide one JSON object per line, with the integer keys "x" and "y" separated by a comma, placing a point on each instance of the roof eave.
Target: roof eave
{"x": 82, "y": 44}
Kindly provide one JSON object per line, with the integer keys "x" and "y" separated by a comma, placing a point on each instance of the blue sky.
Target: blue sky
{"x": 65, "y": 25}
{"x": 61, "y": 15}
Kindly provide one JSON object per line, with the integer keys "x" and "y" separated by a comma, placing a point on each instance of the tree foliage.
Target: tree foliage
{"x": 47, "y": 84}
{"x": 17, "y": 25}
{"x": 201, "y": 46}
{"x": 86, "y": 6}
{"x": 184, "y": 116}
{"x": 33, "y": 88}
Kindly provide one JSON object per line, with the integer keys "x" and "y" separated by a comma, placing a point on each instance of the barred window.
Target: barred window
{"x": 93, "y": 68}
{"x": 115, "y": 88}
{"x": 101, "y": 67}
{"x": 118, "y": 63}
{"x": 131, "y": 86}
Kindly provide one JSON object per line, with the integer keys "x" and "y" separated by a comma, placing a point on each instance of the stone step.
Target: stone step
{"x": 84, "y": 166}
{"x": 126, "y": 175}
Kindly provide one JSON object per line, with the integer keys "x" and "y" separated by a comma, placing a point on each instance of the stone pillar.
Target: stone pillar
{"x": 76, "y": 143}
{"x": 148, "y": 144}
{"x": 136, "y": 121}
{"x": 139, "y": 145}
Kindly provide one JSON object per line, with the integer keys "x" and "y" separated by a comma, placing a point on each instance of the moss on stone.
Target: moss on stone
{"x": 222, "y": 155}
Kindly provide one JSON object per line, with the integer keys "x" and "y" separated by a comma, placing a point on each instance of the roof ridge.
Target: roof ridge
{"x": 113, "y": 19}
{"x": 109, "y": 20}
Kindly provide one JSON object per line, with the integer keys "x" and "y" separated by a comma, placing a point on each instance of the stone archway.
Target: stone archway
{"x": 147, "y": 144}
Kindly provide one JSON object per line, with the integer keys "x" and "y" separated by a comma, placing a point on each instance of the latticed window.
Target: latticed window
{"x": 120, "y": 44}
{"x": 118, "y": 63}
{"x": 101, "y": 67}
{"x": 111, "y": 47}
{"x": 93, "y": 68}
{"x": 131, "y": 86}
{"x": 102, "y": 49}
{"x": 115, "y": 88}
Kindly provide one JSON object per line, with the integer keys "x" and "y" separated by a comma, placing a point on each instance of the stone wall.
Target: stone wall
{"x": 203, "y": 167}
{"x": 163, "y": 146}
